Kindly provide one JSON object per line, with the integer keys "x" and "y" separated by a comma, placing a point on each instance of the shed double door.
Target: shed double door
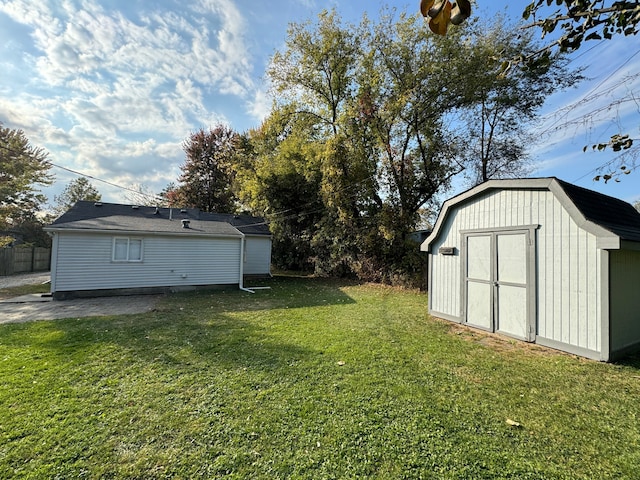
{"x": 496, "y": 282}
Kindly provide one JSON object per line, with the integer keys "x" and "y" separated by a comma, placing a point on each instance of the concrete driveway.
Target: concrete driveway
{"x": 41, "y": 307}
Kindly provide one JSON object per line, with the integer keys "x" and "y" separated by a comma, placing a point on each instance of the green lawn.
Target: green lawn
{"x": 311, "y": 379}
{"x": 24, "y": 290}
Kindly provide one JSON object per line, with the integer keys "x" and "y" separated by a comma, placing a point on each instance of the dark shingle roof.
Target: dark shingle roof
{"x": 113, "y": 216}
{"x": 617, "y": 216}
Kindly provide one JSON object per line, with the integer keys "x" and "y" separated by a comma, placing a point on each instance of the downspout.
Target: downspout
{"x": 53, "y": 268}
{"x": 242, "y": 265}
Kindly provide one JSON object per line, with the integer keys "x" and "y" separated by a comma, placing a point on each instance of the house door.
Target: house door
{"x": 497, "y": 293}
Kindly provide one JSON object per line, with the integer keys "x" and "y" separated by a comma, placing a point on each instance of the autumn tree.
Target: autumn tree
{"x": 207, "y": 178}
{"x": 171, "y": 196}
{"x": 280, "y": 179}
{"x": 365, "y": 135}
{"x": 24, "y": 169}
{"x": 501, "y": 109}
{"x": 76, "y": 190}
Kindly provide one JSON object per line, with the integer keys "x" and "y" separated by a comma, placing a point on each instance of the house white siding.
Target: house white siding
{"x": 86, "y": 260}
{"x": 257, "y": 259}
{"x": 566, "y": 260}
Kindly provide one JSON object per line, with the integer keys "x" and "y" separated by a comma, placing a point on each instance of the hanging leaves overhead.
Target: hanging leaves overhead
{"x": 440, "y": 13}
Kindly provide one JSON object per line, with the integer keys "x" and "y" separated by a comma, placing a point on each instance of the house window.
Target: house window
{"x": 127, "y": 249}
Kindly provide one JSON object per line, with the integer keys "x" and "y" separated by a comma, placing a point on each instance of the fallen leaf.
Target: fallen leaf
{"x": 513, "y": 423}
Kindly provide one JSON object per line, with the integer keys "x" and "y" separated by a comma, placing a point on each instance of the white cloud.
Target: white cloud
{"x": 260, "y": 106}
{"x": 113, "y": 85}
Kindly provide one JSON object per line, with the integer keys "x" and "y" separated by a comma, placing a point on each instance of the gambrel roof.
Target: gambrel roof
{"x": 612, "y": 220}
{"x": 100, "y": 216}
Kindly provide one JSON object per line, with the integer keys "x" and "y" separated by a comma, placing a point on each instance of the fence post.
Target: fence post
{"x": 6, "y": 261}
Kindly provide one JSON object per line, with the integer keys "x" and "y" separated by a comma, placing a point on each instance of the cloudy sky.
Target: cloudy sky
{"x": 112, "y": 88}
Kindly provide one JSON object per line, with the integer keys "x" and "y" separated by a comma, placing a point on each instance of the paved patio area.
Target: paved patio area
{"x": 36, "y": 307}
{"x": 42, "y": 307}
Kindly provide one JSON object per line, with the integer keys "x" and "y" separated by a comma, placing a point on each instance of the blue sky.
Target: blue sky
{"x": 112, "y": 88}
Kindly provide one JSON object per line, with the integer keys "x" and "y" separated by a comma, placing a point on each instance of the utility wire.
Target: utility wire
{"x": 138, "y": 192}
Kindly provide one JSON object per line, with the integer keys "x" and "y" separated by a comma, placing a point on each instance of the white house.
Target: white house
{"x": 106, "y": 248}
{"x": 540, "y": 260}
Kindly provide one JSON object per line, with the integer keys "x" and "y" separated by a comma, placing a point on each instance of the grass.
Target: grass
{"x": 24, "y": 290}
{"x": 311, "y": 379}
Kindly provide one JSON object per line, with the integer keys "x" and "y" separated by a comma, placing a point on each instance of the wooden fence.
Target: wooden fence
{"x": 24, "y": 259}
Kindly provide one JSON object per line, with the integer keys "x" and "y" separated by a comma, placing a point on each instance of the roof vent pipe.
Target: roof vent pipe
{"x": 185, "y": 223}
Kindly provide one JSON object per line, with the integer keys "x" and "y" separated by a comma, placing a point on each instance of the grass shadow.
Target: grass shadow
{"x": 206, "y": 328}
{"x": 630, "y": 361}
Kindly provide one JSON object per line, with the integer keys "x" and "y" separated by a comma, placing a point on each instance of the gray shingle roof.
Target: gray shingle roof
{"x": 617, "y": 216}
{"x": 117, "y": 217}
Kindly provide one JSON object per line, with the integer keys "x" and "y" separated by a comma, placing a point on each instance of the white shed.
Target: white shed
{"x": 106, "y": 248}
{"x": 540, "y": 260}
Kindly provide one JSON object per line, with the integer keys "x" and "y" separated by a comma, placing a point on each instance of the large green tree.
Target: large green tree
{"x": 316, "y": 92}
{"x": 76, "y": 190}
{"x": 280, "y": 179}
{"x": 207, "y": 178}
{"x": 363, "y": 135}
{"x": 24, "y": 169}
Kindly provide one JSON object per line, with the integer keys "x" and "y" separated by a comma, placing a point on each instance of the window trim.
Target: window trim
{"x": 128, "y": 259}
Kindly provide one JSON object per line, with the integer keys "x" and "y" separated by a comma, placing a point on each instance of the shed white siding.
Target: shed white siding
{"x": 167, "y": 261}
{"x": 625, "y": 298}
{"x": 257, "y": 259}
{"x": 567, "y": 263}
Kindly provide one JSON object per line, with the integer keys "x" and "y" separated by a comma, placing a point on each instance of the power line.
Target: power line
{"x": 97, "y": 179}
{"x": 148, "y": 195}
{"x": 588, "y": 97}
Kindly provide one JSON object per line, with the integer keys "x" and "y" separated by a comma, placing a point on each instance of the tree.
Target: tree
{"x": 23, "y": 169}
{"x": 280, "y": 179}
{"x": 583, "y": 20}
{"x": 314, "y": 80}
{"x": 207, "y": 179}
{"x": 365, "y": 135}
{"x": 170, "y": 196}
{"x": 140, "y": 194}
{"x": 501, "y": 108}
{"x": 406, "y": 95}
{"x": 578, "y": 21}
{"x": 76, "y": 190}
